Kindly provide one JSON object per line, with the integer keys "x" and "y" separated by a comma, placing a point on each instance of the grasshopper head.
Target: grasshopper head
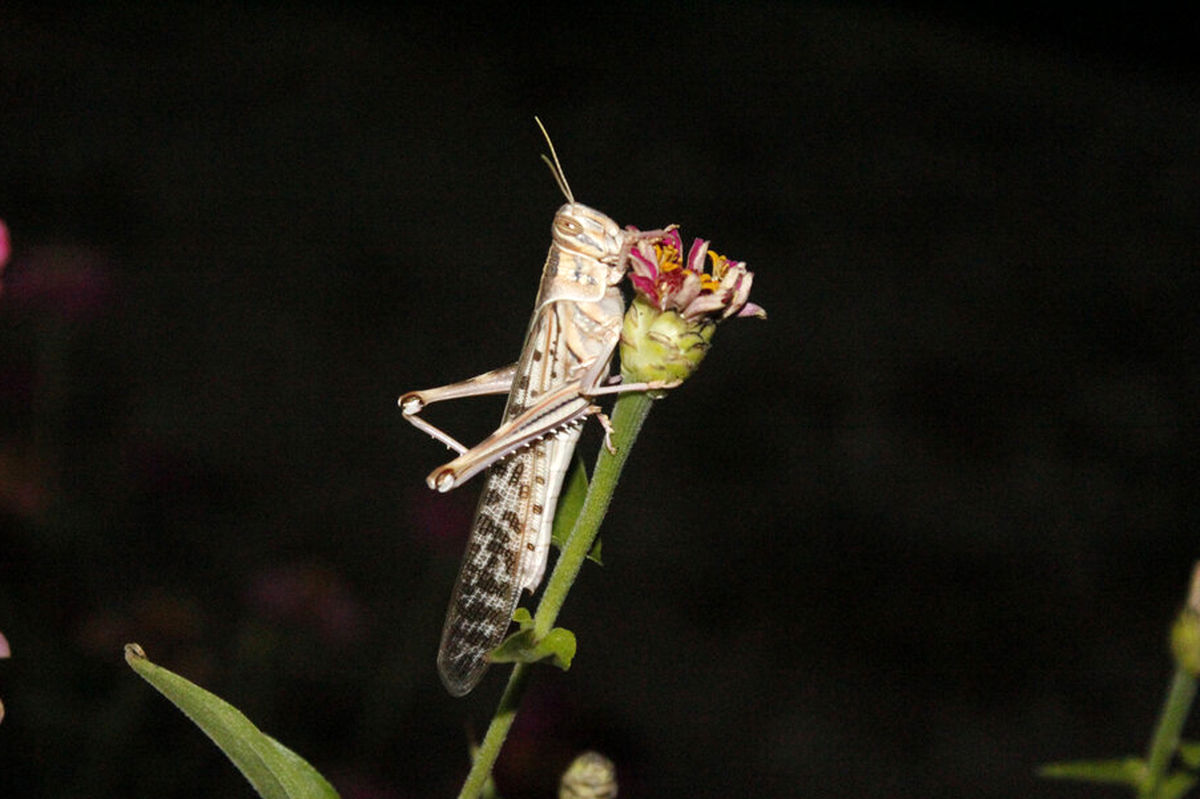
{"x": 589, "y": 233}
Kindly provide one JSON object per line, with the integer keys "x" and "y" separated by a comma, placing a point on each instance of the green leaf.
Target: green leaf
{"x": 1127, "y": 771}
{"x": 558, "y": 647}
{"x": 1189, "y": 753}
{"x": 489, "y": 789}
{"x": 570, "y": 502}
{"x": 275, "y": 771}
{"x": 1176, "y": 785}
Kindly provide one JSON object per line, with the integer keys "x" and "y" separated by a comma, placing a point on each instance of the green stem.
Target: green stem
{"x": 628, "y": 415}
{"x": 1166, "y": 734}
{"x": 489, "y": 749}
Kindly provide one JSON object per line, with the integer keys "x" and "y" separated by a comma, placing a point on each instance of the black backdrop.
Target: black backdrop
{"x": 919, "y": 532}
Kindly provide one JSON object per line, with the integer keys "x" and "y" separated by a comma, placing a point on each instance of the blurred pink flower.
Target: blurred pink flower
{"x": 4, "y": 650}
{"x": 444, "y": 519}
{"x": 172, "y": 622}
{"x": 310, "y": 596}
{"x": 361, "y": 784}
{"x": 24, "y": 488}
{"x": 5, "y": 249}
{"x": 71, "y": 282}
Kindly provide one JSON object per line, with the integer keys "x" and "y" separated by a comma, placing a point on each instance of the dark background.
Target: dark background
{"x": 919, "y": 532}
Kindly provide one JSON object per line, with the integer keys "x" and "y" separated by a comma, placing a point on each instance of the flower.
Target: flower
{"x": 659, "y": 274}
{"x": 4, "y": 650}
{"x": 670, "y": 324}
{"x": 5, "y": 250}
{"x": 308, "y": 595}
{"x": 72, "y": 283}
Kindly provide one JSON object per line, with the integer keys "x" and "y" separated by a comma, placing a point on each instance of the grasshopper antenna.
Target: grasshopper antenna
{"x": 555, "y": 166}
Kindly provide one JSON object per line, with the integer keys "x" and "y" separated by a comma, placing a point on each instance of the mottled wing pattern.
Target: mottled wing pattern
{"x": 512, "y": 512}
{"x": 488, "y": 585}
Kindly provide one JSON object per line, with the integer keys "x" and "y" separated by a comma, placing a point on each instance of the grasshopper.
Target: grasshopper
{"x": 564, "y": 365}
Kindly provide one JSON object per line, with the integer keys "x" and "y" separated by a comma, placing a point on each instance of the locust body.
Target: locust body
{"x": 564, "y": 364}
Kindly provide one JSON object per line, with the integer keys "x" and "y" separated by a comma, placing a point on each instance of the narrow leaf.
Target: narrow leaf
{"x": 1127, "y": 771}
{"x": 1176, "y": 785}
{"x": 570, "y": 502}
{"x": 516, "y": 648}
{"x": 594, "y": 553}
{"x": 574, "y": 492}
{"x": 558, "y": 647}
{"x": 1189, "y": 753}
{"x": 275, "y": 771}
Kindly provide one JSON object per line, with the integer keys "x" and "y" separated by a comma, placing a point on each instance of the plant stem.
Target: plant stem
{"x": 628, "y": 415}
{"x": 1166, "y": 733}
{"x": 489, "y": 749}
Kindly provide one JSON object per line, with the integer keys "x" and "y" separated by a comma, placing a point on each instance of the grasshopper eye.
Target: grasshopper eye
{"x": 567, "y": 225}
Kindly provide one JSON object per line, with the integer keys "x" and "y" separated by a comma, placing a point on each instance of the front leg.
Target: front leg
{"x": 594, "y": 379}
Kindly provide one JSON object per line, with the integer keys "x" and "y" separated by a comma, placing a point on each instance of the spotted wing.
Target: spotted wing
{"x": 510, "y": 535}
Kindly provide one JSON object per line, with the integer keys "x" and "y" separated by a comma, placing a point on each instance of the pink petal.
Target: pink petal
{"x": 644, "y": 284}
{"x": 643, "y": 264}
{"x": 688, "y": 290}
{"x": 731, "y": 279}
{"x": 740, "y": 292}
{"x": 750, "y": 309}
{"x": 703, "y": 305}
{"x": 695, "y": 259}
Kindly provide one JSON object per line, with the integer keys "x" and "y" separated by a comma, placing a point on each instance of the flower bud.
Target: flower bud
{"x": 661, "y": 345}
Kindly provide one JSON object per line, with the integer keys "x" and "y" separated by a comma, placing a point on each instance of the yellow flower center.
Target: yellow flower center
{"x": 668, "y": 257}
{"x": 712, "y": 282}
